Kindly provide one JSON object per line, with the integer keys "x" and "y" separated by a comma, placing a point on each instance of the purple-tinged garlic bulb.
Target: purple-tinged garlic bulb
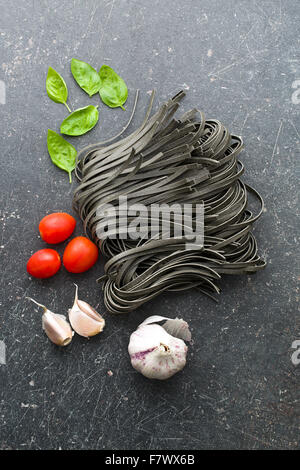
{"x": 153, "y": 349}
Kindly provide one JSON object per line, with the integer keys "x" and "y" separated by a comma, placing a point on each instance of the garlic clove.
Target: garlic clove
{"x": 178, "y": 328}
{"x": 55, "y": 326}
{"x": 155, "y": 353}
{"x": 174, "y": 326}
{"x": 85, "y": 320}
{"x": 153, "y": 319}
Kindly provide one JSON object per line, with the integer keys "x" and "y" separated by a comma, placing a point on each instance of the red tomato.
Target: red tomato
{"x": 56, "y": 227}
{"x": 44, "y": 263}
{"x": 80, "y": 255}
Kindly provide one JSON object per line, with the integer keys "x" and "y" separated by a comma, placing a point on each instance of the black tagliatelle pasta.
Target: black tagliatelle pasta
{"x": 172, "y": 161}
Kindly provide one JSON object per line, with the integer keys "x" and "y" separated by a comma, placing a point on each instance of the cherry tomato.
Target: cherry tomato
{"x": 56, "y": 227}
{"x": 44, "y": 263}
{"x": 80, "y": 255}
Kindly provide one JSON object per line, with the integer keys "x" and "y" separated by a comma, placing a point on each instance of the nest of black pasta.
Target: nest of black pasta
{"x": 185, "y": 160}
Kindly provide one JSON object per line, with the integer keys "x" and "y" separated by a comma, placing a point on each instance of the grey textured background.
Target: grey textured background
{"x": 239, "y": 389}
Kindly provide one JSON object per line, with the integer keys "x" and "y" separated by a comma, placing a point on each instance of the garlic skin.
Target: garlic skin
{"x": 84, "y": 318}
{"x": 55, "y": 326}
{"x": 154, "y": 352}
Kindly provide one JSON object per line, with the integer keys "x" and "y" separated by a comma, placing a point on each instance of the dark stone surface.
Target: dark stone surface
{"x": 239, "y": 389}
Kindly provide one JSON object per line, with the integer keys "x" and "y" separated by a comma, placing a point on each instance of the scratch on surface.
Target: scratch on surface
{"x": 114, "y": 333}
{"x": 244, "y": 123}
{"x": 91, "y": 21}
{"x": 247, "y": 34}
{"x": 103, "y": 358}
{"x": 262, "y": 10}
{"x": 64, "y": 422}
{"x": 271, "y": 20}
{"x": 106, "y": 23}
{"x": 227, "y": 67}
{"x": 266, "y": 443}
{"x": 19, "y": 422}
{"x": 280, "y": 12}
{"x": 295, "y": 128}
{"x": 146, "y": 420}
{"x": 275, "y": 145}
{"x": 251, "y": 54}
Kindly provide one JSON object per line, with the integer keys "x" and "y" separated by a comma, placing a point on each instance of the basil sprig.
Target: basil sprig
{"x": 56, "y": 87}
{"x": 113, "y": 90}
{"x": 80, "y": 121}
{"x": 61, "y": 152}
{"x": 86, "y": 77}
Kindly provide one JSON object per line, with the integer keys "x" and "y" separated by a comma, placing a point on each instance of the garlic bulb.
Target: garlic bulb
{"x": 155, "y": 352}
{"x": 55, "y": 326}
{"x": 84, "y": 318}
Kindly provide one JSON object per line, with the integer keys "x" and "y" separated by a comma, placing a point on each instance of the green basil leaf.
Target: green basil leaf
{"x": 80, "y": 121}
{"x": 86, "y": 77}
{"x": 113, "y": 89}
{"x": 56, "y": 87}
{"x": 61, "y": 152}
